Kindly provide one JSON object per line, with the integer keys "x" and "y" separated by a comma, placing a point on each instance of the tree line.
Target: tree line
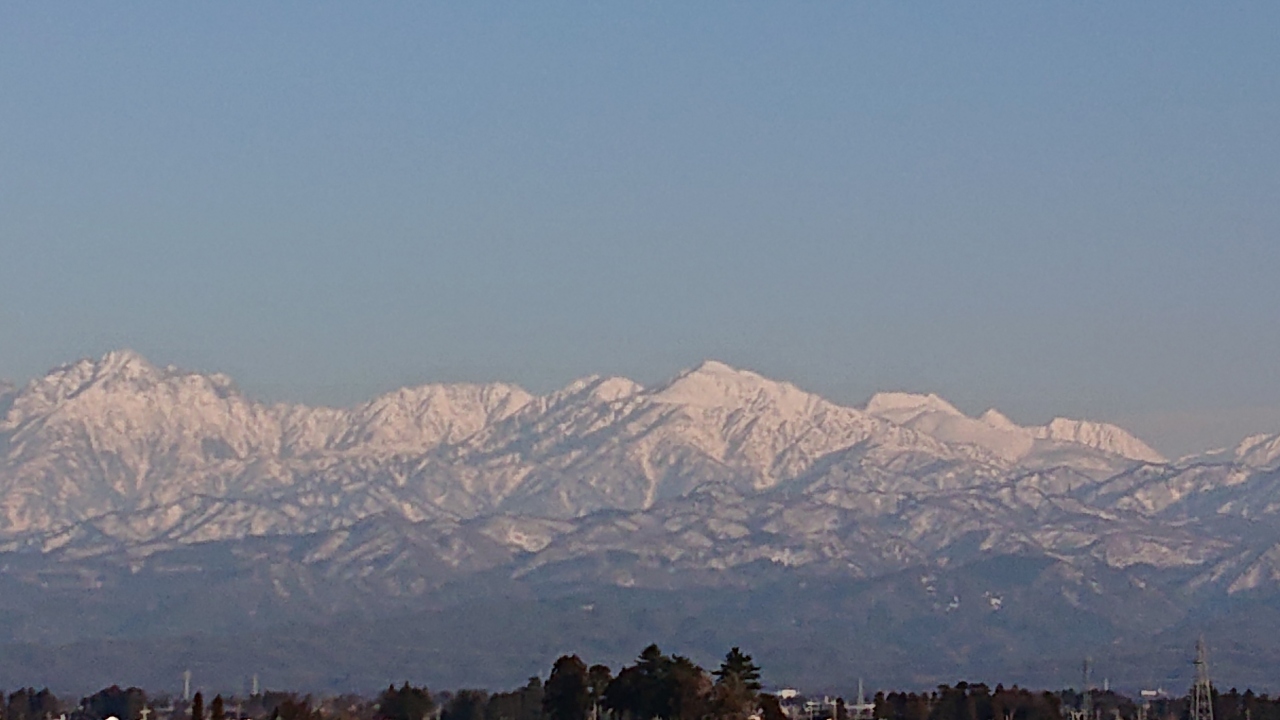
{"x": 976, "y": 701}
{"x": 967, "y": 701}
{"x": 656, "y": 686}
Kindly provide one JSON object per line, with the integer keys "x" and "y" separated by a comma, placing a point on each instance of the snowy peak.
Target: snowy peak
{"x": 417, "y": 419}
{"x": 1259, "y": 451}
{"x": 931, "y": 415}
{"x": 997, "y": 419}
{"x": 902, "y": 408}
{"x": 122, "y": 368}
{"x": 124, "y": 384}
{"x": 937, "y": 418}
{"x": 116, "y": 368}
{"x": 715, "y": 385}
{"x": 124, "y": 362}
{"x": 1101, "y": 436}
{"x": 613, "y": 389}
{"x": 595, "y": 389}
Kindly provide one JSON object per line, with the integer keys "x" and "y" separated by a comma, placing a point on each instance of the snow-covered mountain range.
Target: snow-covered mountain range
{"x": 701, "y": 481}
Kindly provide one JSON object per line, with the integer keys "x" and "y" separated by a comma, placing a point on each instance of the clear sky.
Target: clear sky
{"x": 1068, "y": 208}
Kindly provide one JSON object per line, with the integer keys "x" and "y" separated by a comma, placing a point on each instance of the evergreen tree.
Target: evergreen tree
{"x": 216, "y": 710}
{"x": 405, "y": 703}
{"x": 598, "y": 679}
{"x": 197, "y": 707}
{"x": 113, "y": 702}
{"x": 880, "y": 706}
{"x": 737, "y": 687}
{"x": 658, "y": 686}
{"x": 531, "y": 699}
{"x": 685, "y": 691}
{"x": 737, "y": 666}
{"x": 465, "y": 705}
{"x": 567, "y": 693}
{"x": 522, "y": 704}
{"x": 295, "y": 708}
{"x": 28, "y": 704}
{"x": 636, "y": 692}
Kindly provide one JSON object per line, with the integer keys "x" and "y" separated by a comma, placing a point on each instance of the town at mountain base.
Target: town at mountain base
{"x": 161, "y": 518}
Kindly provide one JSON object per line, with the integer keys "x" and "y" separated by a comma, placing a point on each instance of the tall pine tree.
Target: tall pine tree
{"x": 567, "y": 692}
{"x": 737, "y": 690}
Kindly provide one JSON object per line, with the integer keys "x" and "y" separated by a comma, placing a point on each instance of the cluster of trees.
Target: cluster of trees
{"x": 132, "y": 703}
{"x": 115, "y": 702}
{"x": 1235, "y": 705}
{"x": 29, "y": 704}
{"x": 656, "y": 686}
{"x": 669, "y": 687}
{"x": 1230, "y": 705}
{"x": 969, "y": 702}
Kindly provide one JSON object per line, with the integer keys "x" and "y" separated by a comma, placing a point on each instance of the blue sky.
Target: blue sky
{"x": 1069, "y": 209}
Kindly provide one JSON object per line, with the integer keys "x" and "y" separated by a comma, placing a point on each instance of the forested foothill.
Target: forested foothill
{"x": 656, "y": 686}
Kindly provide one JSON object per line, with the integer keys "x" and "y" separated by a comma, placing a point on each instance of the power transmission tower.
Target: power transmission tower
{"x": 1201, "y": 694}
{"x": 1085, "y": 711}
{"x": 1086, "y": 690}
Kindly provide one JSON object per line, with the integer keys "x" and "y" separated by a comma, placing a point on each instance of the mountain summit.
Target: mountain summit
{"x": 934, "y": 416}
